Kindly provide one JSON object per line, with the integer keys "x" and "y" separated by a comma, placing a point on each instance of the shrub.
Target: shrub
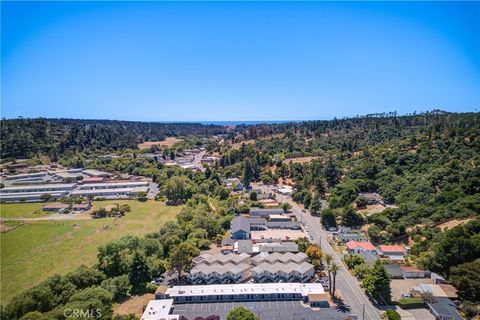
{"x": 410, "y": 303}
{"x": 392, "y": 315}
{"x": 150, "y": 288}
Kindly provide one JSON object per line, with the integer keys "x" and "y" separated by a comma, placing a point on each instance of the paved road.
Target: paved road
{"x": 348, "y": 285}
{"x": 198, "y": 160}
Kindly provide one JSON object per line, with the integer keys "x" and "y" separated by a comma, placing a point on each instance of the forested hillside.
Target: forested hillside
{"x": 24, "y": 138}
{"x": 425, "y": 167}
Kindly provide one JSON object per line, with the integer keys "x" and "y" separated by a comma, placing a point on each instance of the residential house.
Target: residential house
{"x": 371, "y": 197}
{"x": 392, "y": 252}
{"x": 264, "y": 213}
{"x": 356, "y": 247}
{"x": 352, "y": 236}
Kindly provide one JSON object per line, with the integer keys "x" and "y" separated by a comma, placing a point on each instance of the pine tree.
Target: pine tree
{"x": 139, "y": 273}
{"x": 247, "y": 173}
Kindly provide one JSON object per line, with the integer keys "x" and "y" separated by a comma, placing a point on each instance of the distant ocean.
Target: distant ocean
{"x": 233, "y": 122}
{"x": 246, "y": 122}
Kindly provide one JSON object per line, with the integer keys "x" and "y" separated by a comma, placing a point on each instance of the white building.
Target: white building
{"x": 159, "y": 310}
{"x": 115, "y": 192}
{"x": 32, "y": 193}
{"x": 244, "y": 292}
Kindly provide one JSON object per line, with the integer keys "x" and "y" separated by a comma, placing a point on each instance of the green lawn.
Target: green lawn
{"x": 22, "y": 210}
{"x": 38, "y": 249}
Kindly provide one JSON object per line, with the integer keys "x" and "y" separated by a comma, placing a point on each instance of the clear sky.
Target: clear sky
{"x": 164, "y": 61}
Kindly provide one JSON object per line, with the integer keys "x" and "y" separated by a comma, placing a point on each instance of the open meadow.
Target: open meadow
{"x": 37, "y": 249}
{"x": 23, "y": 210}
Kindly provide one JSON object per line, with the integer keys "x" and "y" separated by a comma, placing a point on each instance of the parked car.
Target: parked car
{"x": 332, "y": 229}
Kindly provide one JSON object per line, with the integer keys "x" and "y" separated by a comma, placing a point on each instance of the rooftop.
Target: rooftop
{"x": 392, "y": 248}
{"x": 57, "y": 186}
{"x": 246, "y": 288}
{"x": 364, "y": 245}
{"x": 159, "y": 310}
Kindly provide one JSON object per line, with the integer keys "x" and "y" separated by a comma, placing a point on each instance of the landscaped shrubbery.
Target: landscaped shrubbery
{"x": 411, "y": 303}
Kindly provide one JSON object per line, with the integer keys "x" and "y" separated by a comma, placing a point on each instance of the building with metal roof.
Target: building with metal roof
{"x": 159, "y": 310}
{"x": 444, "y": 309}
{"x": 243, "y": 292}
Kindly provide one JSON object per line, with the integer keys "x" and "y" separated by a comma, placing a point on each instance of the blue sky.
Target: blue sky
{"x": 164, "y": 61}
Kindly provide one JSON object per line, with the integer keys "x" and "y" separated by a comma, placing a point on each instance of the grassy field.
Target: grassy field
{"x": 22, "y": 210}
{"x": 38, "y": 249}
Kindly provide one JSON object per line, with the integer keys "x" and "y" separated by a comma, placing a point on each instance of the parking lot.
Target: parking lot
{"x": 271, "y": 310}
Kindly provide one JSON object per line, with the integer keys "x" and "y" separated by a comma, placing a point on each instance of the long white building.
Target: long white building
{"x": 113, "y": 185}
{"x": 35, "y": 192}
{"x": 244, "y": 292}
{"x": 126, "y": 192}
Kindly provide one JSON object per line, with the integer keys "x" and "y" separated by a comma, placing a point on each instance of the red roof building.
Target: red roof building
{"x": 395, "y": 250}
{"x": 360, "y": 246}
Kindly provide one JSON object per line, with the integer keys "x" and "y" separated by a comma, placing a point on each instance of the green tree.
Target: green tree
{"x": 139, "y": 274}
{"x": 351, "y": 218}
{"x": 247, "y": 173}
{"x": 333, "y": 268}
{"x": 328, "y": 218}
{"x": 119, "y": 287}
{"x": 377, "y": 283}
{"x": 307, "y": 199}
{"x": 466, "y": 278}
{"x": 46, "y": 197}
{"x": 352, "y": 260}
{"x": 253, "y": 196}
{"x": 361, "y": 270}
{"x": 241, "y": 313}
{"x": 286, "y": 206}
{"x": 181, "y": 258}
{"x": 316, "y": 205}
{"x": 178, "y": 190}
